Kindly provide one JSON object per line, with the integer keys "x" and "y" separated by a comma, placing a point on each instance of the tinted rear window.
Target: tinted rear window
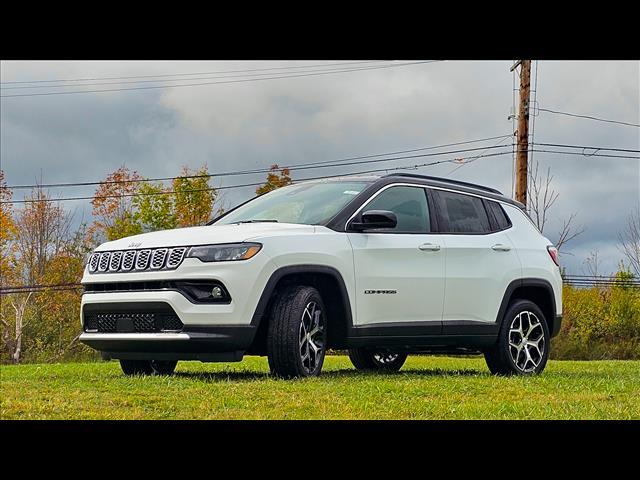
{"x": 499, "y": 214}
{"x": 461, "y": 213}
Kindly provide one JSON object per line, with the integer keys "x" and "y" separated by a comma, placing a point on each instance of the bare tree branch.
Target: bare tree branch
{"x": 567, "y": 232}
{"x": 629, "y": 240}
{"x": 542, "y": 196}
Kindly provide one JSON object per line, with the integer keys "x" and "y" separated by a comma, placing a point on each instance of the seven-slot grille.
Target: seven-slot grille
{"x": 136, "y": 260}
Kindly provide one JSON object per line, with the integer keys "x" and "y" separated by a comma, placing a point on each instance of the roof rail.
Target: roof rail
{"x": 446, "y": 180}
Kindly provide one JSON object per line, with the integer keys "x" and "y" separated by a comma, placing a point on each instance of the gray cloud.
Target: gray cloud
{"x": 299, "y": 120}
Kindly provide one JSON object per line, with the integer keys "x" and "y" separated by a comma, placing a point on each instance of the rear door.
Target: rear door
{"x": 399, "y": 272}
{"x": 480, "y": 261}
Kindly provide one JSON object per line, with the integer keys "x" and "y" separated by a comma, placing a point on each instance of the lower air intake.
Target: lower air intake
{"x": 131, "y": 318}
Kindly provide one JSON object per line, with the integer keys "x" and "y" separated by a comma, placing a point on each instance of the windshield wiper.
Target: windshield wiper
{"x": 257, "y": 221}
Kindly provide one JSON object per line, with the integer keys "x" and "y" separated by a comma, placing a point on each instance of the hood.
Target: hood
{"x": 208, "y": 234}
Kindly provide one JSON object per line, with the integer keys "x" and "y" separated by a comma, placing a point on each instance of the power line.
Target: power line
{"x": 589, "y": 117}
{"x": 471, "y": 160}
{"x": 244, "y": 75}
{"x": 585, "y": 147}
{"x": 258, "y": 170}
{"x": 222, "y": 82}
{"x": 588, "y": 154}
{"x": 172, "y": 192}
{"x": 194, "y": 73}
{"x": 339, "y": 162}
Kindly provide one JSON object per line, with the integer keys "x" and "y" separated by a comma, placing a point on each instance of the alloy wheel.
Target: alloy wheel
{"x": 385, "y": 358}
{"x": 526, "y": 341}
{"x": 312, "y": 337}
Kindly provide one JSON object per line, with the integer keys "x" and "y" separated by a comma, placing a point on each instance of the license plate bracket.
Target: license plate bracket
{"x": 125, "y": 325}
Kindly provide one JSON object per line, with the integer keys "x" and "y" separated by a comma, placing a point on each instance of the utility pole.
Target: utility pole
{"x": 522, "y": 135}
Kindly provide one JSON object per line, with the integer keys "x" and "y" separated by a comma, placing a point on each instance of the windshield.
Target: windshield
{"x": 308, "y": 203}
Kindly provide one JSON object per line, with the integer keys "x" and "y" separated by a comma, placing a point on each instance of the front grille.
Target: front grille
{"x": 175, "y": 257}
{"x": 128, "y": 318}
{"x": 142, "y": 259}
{"x": 114, "y": 264}
{"x": 94, "y": 261}
{"x": 129, "y": 258}
{"x": 104, "y": 261}
{"x": 157, "y": 259}
{"x": 136, "y": 260}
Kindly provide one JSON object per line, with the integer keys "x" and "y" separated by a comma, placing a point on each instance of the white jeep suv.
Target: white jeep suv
{"x": 381, "y": 266}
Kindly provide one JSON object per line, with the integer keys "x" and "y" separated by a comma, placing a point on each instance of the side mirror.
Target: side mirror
{"x": 375, "y": 219}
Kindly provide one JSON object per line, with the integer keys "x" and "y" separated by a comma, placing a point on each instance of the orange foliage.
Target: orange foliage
{"x": 112, "y": 205}
{"x": 277, "y": 177}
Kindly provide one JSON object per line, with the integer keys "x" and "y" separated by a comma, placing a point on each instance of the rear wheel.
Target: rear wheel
{"x": 296, "y": 340}
{"x": 372, "y": 360}
{"x": 148, "y": 367}
{"x": 523, "y": 342}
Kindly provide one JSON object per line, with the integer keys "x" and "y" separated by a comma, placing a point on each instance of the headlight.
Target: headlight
{"x": 224, "y": 253}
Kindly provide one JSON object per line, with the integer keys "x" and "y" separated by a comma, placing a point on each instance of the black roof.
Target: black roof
{"x": 456, "y": 185}
{"x": 446, "y": 180}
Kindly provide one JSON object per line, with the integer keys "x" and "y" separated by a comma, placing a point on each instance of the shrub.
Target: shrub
{"x": 599, "y": 323}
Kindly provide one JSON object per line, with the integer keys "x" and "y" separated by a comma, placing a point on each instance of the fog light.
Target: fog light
{"x": 216, "y": 292}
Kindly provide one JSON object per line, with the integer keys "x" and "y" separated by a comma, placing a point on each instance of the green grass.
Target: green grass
{"x": 426, "y": 388}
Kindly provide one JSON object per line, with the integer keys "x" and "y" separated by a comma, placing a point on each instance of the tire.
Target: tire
{"x": 163, "y": 367}
{"x": 376, "y": 360}
{"x": 511, "y": 355}
{"x": 148, "y": 367}
{"x": 296, "y": 339}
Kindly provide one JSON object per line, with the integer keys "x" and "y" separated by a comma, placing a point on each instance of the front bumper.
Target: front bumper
{"x": 193, "y": 343}
{"x": 209, "y": 331}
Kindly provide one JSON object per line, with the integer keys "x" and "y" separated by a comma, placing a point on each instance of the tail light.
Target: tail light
{"x": 553, "y": 253}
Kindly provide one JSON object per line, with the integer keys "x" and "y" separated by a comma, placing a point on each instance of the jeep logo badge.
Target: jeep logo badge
{"x": 134, "y": 245}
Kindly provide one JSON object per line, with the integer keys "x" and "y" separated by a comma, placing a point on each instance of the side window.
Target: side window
{"x": 461, "y": 213}
{"x": 410, "y": 206}
{"x": 499, "y": 214}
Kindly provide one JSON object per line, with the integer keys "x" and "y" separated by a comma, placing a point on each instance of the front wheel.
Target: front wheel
{"x": 148, "y": 367}
{"x": 297, "y": 336}
{"x": 523, "y": 342}
{"x": 376, "y": 360}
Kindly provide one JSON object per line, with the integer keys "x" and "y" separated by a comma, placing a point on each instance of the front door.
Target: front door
{"x": 399, "y": 272}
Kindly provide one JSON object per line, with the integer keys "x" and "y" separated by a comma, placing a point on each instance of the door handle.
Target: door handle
{"x": 429, "y": 247}
{"x": 498, "y": 247}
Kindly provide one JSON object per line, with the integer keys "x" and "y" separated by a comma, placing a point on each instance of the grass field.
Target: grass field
{"x": 426, "y": 388}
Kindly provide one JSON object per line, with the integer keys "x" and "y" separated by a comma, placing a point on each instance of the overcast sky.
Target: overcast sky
{"x": 246, "y": 125}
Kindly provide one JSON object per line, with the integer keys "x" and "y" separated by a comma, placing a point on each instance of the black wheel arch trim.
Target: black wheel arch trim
{"x": 280, "y": 273}
{"x": 531, "y": 282}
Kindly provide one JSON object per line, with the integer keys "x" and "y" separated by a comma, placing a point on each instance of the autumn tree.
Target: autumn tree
{"x": 56, "y": 336}
{"x": 7, "y": 230}
{"x": 155, "y": 207}
{"x": 7, "y": 273}
{"x": 42, "y": 231}
{"x": 276, "y": 178}
{"x": 113, "y": 208}
{"x": 193, "y": 197}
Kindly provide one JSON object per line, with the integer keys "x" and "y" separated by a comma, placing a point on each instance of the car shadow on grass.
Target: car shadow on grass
{"x": 249, "y": 376}
{"x": 224, "y": 376}
{"x": 409, "y": 372}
